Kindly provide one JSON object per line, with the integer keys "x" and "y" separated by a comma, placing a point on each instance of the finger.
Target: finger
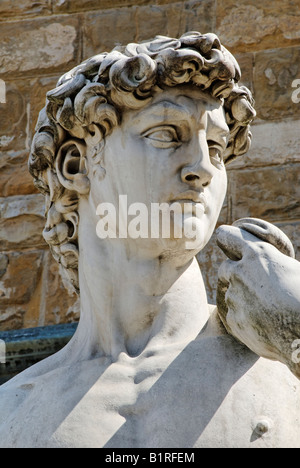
{"x": 268, "y": 233}
{"x": 234, "y": 241}
{"x": 224, "y": 276}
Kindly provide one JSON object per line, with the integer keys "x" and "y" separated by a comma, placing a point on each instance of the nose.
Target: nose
{"x": 199, "y": 170}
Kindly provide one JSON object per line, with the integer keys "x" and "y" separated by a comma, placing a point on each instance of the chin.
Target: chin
{"x": 191, "y": 242}
{"x": 195, "y": 233}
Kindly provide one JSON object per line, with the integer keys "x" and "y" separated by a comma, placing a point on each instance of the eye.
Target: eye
{"x": 163, "y": 137}
{"x": 215, "y": 152}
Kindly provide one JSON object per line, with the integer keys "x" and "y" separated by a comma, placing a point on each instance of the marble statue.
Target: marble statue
{"x": 152, "y": 364}
{"x": 266, "y": 274}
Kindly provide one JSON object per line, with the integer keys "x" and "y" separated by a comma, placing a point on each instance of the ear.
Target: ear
{"x": 71, "y": 167}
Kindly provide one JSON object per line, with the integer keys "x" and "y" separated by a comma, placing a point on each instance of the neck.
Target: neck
{"x": 130, "y": 302}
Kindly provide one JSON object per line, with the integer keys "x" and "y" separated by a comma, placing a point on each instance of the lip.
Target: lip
{"x": 191, "y": 196}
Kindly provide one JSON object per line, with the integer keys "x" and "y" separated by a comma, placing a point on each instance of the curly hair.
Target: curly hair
{"x": 88, "y": 103}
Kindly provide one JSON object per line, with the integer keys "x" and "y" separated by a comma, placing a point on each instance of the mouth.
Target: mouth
{"x": 192, "y": 197}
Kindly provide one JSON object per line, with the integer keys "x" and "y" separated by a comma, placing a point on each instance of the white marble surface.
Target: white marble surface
{"x": 150, "y": 364}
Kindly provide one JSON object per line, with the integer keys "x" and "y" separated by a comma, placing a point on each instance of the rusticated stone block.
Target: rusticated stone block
{"x": 22, "y": 222}
{"x": 39, "y": 45}
{"x": 38, "y": 90}
{"x": 246, "y": 63}
{"x": 175, "y": 19}
{"x": 60, "y": 304}
{"x": 68, "y": 6}
{"x": 22, "y": 274}
{"x": 246, "y": 25}
{"x": 32, "y": 292}
{"x": 11, "y": 8}
{"x": 11, "y": 317}
{"x": 20, "y": 290}
{"x": 272, "y": 143}
{"x": 153, "y": 20}
{"x": 274, "y": 73}
{"x": 14, "y": 175}
{"x": 144, "y": 22}
{"x": 13, "y": 207}
{"x": 14, "y": 116}
{"x": 3, "y": 264}
{"x": 199, "y": 15}
{"x": 270, "y": 193}
{"x": 23, "y": 231}
{"x": 98, "y": 27}
{"x": 292, "y": 231}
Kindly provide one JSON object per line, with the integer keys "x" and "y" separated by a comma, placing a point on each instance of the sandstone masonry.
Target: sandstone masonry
{"x": 39, "y": 41}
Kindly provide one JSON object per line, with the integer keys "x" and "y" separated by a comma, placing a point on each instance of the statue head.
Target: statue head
{"x": 119, "y": 90}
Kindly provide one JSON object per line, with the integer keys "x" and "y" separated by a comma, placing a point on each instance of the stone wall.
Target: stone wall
{"x": 39, "y": 41}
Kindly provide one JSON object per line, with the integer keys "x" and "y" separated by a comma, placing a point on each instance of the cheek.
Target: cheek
{"x": 130, "y": 169}
{"x": 219, "y": 187}
{"x": 225, "y": 183}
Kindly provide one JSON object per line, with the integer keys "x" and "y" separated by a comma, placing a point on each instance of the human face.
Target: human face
{"x": 170, "y": 151}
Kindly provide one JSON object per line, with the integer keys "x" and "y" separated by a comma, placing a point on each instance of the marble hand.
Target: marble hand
{"x": 258, "y": 294}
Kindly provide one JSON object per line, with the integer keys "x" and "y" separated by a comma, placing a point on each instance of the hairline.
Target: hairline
{"x": 160, "y": 101}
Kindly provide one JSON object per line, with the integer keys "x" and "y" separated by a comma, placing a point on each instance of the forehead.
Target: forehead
{"x": 182, "y": 103}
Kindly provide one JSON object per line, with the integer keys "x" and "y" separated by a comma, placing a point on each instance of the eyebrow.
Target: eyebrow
{"x": 165, "y": 111}
{"x": 222, "y": 129}
{"x": 168, "y": 111}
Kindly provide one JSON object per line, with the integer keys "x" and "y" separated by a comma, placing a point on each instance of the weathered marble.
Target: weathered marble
{"x": 150, "y": 364}
{"x": 270, "y": 60}
{"x": 258, "y": 290}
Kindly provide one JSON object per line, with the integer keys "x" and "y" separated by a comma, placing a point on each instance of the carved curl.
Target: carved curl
{"x": 88, "y": 103}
